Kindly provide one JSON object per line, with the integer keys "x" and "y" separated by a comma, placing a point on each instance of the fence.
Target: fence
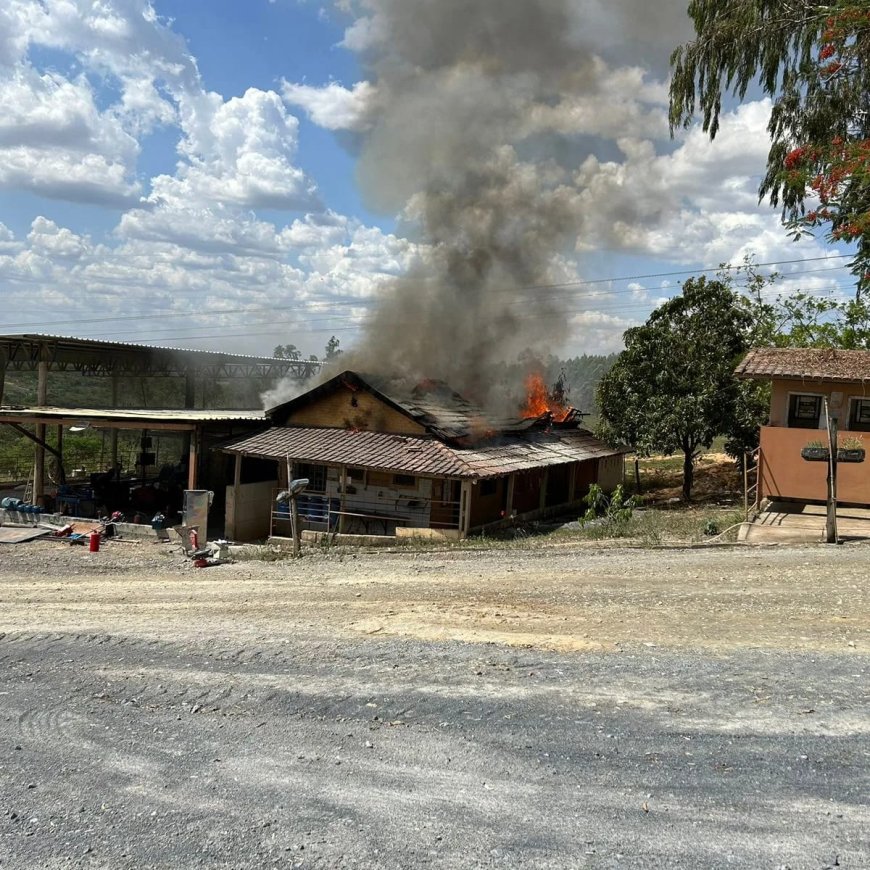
{"x": 364, "y": 516}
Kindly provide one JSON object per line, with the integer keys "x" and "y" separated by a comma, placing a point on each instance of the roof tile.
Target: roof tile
{"x": 401, "y": 454}
{"x": 801, "y": 363}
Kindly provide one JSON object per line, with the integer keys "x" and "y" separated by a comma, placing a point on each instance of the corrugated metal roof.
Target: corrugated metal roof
{"x": 426, "y": 457}
{"x": 162, "y": 415}
{"x": 803, "y": 363}
{"x": 102, "y": 343}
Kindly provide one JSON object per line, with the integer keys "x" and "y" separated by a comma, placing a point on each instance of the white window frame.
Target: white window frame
{"x": 821, "y": 424}
{"x": 852, "y": 401}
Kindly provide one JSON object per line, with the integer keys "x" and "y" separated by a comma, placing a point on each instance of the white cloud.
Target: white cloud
{"x": 242, "y": 154}
{"x": 333, "y": 106}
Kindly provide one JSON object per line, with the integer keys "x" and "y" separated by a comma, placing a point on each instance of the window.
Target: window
{"x": 357, "y": 475}
{"x": 488, "y": 487}
{"x": 407, "y": 481}
{"x": 316, "y": 475}
{"x": 804, "y": 411}
{"x": 859, "y": 416}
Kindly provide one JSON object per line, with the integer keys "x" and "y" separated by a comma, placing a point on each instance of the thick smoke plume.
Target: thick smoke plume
{"x": 470, "y": 133}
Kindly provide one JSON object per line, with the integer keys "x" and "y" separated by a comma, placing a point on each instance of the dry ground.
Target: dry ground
{"x": 561, "y": 597}
{"x": 544, "y": 707}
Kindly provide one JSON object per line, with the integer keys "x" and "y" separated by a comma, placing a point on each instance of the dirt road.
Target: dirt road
{"x": 546, "y": 708}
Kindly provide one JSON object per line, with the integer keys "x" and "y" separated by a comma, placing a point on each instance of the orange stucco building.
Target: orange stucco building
{"x": 803, "y": 382}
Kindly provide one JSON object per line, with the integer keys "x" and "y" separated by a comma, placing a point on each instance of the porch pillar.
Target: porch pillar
{"x": 465, "y": 508}
{"x": 232, "y": 519}
{"x": 509, "y": 497}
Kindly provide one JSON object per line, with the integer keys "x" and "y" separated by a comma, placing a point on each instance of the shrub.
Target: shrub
{"x": 611, "y": 513}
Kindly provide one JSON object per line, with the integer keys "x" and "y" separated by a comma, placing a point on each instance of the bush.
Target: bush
{"x": 612, "y": 514}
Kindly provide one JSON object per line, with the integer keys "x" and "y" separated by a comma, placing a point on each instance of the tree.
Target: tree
{"x": 332, "y": 349}
{"x": 809, "y": 56}
{"x": 287, "y": 351}
{"x": 673, "y": 387}
{"x": 810, "y": 321}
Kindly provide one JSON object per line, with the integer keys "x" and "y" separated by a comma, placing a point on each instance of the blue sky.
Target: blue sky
{"x": 188, "y": 171}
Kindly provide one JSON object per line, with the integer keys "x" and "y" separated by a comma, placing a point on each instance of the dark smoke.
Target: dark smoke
{"x": 461, "y": 138}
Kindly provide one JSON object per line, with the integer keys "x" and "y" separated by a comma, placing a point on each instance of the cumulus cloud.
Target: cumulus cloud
{"x": 584, "y": 137}
{"x": 332, "y": 106}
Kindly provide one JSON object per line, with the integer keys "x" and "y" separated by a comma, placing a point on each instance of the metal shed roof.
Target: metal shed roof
{"x": 98, "y": 356}
{"x": 140, "y": 416}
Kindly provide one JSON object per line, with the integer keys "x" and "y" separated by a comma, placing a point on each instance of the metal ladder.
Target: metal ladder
{"x": 751, "y": 478}
{"x": 27, "y": 498}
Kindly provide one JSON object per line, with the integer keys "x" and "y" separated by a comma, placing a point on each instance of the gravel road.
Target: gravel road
{"x": 549, "y": 707}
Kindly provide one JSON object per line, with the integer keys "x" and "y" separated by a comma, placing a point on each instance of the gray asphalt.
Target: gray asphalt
{"x": 117, "y": 752}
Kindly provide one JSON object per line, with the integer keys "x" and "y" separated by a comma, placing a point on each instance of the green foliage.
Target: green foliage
{"x": 807, "y": 321}
{"x": 816, "y": 445}
{"x": 855, "y": 442}
{"x": 287, "y": 351}
{"x": 711, "y": 528}
{"x": 809, "y": 56}
{"x": 612, "y": 513}
{"x": 673, "y": 387}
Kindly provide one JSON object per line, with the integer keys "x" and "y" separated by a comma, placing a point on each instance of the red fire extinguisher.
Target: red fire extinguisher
{"x": 94, "y": 542}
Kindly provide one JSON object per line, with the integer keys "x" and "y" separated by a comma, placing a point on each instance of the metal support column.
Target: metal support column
{"x": 3, "y": 362}
{"x": 39, "y": 463}
{"x": 114, "y": 433}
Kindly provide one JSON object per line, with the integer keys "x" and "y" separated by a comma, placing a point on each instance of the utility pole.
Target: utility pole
{"x": 831, "y": 521}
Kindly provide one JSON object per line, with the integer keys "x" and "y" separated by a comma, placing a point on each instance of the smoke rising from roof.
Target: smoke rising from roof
{"x": 463, "y": 124}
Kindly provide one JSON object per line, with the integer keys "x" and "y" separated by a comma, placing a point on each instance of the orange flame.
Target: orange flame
{"x": 539, "y": 401}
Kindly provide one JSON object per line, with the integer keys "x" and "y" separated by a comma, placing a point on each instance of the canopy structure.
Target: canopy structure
{"x": 54, "y": 353}
{"x": 45, "y": 354}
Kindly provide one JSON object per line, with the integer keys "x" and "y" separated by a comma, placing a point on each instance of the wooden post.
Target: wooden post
{"x": 343, "y": 472}
{"x": 193, "y": 460}
{"x": 39, "y": 464}
{"x": 831, "y": 523}
{"x": 294, "y": 526}
{"x": 294, "y": 513}
{"x": 465, "y": 508}
{"x": 232, "y": 531}
{"x": 509, "y": 498}
{"x": 61, "y": 472}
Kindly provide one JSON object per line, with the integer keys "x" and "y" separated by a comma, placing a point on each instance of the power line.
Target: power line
{"x": 371, "y": 301}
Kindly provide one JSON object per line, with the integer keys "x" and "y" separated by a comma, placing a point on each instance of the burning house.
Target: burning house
{"x": 383, "y": 459}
